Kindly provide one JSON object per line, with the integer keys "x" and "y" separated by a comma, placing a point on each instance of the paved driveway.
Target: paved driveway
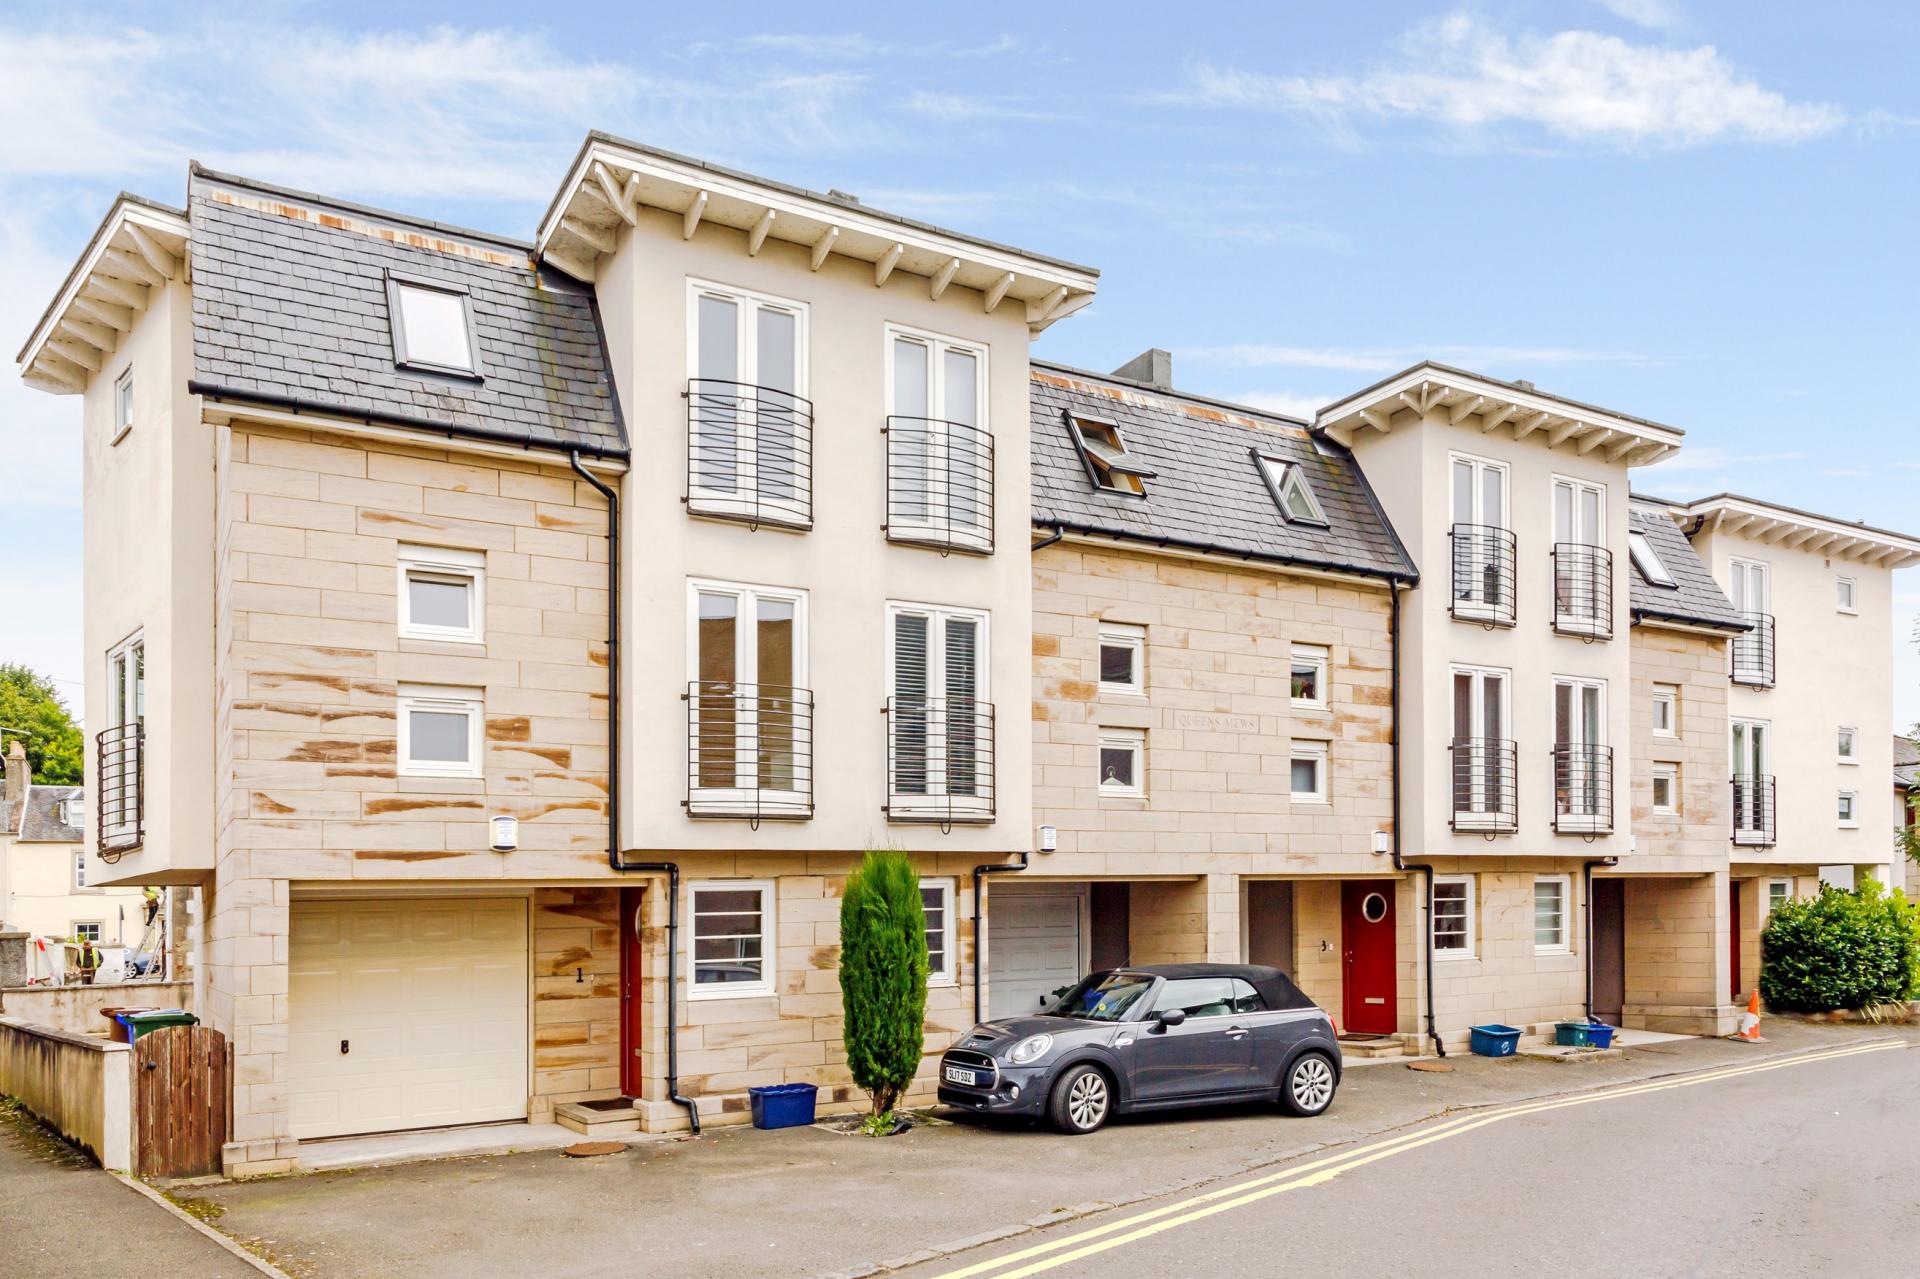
{"x": 812, "y": 1201}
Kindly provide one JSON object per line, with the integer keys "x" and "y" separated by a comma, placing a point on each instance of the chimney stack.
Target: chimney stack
{"x": 19, "y": 775}
{"x": 1152, "y": 366}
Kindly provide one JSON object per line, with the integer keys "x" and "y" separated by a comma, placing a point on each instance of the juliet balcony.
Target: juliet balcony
{"x": 1486, "y": 790}
{"x": 119, "y": 777}
{"x": 749, "y": 751}
{"x": 1583, "y": 590}
{"x": 940, "y": 765}
{"x": 939, "y": 484}
{"x": 1753, "y": 652}
{"x": 749, "y": 454}
{"x": 1583, "y": 789}
{"x": 1753, "y": 810}
{"x": 1484, "y": 559}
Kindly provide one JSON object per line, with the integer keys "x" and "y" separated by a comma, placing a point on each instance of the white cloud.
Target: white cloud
{"x": 1390, "y": 359}
{"x": 1285, "y": 403}
{"x": 1695, "y": 459}
{"x": 1659, "y": 15}
{"x": 966, "y": 108}
{"x": 1578, "y": 85}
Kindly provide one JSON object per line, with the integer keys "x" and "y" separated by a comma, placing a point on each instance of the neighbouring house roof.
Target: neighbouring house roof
{"x": 1206, "y": 492}
{"x": 44, "y": 821}
{"x": 290, "y": 310}
{"x": 1906, "y": 761}
{"x": 1774, "y": 524}
{"x": 1695, "y": 599}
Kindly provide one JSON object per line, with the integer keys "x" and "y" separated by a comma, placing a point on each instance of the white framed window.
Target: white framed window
{"x": 936, "y": 903}
{"x": 730, "y": 951}
{"x": 1291, "y": 492}
{"x": 939, "y": 447}
{"x": 750, "y": 428}
{"x": 1750, "y": 587}
{"x": 79, "y": 870}
{"x": 1307, "y": 680}
{"x": 1666, "y": 710}
{"x": 73, "y": 811}
{"x": 1308, "y": 772}
{"x": 1779, "y": 893}
{"x": 1582, "y": 769}
{"x": 1483, "y": 585}
{"x": 1846, "y": 594}
{"x": 939, "y": 716}
{"x": 87, "y": 930}
{"x": 118, "y": 778}
{"x": 1453, "y": 911}
{"x": 432, "y": 323}
{"x": 1123, "y": 763}
{"x": 122, "y": 406}
{"x": 440, "y": 730}
{"x": 1552, "y": 909}
{"x": 1581, "y": 592}
{"x": 1648, "y": 563}
{"x": 442, "y": 594}
{"x": 1848, "y": 809}
{"x": 1846, "y": 745}
{"x": 752, "y": 723}
{"x": 1123, "y": 660}
{"x": 1483, "y": 762}
{"x": 1666, "y": 789}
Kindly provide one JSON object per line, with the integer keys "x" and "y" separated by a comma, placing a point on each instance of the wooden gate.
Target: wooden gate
{"x": 183, "y": 1090}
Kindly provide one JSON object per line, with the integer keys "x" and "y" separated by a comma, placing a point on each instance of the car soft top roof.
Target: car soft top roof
{"x": 1275, "y": 987}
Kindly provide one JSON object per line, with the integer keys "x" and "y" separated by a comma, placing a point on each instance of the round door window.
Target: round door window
{"x": 1373, "y": 908}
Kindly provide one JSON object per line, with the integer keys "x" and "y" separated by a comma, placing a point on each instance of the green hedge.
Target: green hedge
{"x": 1842, "y": 949}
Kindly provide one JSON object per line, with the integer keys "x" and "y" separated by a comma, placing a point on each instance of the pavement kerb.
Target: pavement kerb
{"x": 1078, "y": 1211}
{"x": 225, "y": 1241}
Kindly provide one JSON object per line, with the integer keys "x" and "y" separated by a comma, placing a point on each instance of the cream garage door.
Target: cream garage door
{"x": 1033, "y": 947}
{"x": 406, "y": 1014}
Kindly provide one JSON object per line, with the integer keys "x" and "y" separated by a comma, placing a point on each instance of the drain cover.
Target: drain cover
{"x": 1432, "y": 1067}
{"x": 588, "y": 1149}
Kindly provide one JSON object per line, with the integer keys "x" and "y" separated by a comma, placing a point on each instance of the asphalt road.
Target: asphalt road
{"x": 1807, "y": 1166}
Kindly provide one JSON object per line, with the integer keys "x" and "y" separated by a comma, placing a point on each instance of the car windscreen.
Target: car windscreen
{"x": 1103, "y": 996}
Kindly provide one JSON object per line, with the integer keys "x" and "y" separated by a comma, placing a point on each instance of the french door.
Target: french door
{"x": 751, "y": 427}
{"x": 940, "y": 753}
{"x": 1483, "y": 762}
{"x": 752, "y": 723}
{"x": 1752, "y": 781}
{"x": 1751, "y": 590}
{"x": 1582, "y": 773}
{"x": 121, "y": 770}
{"x": 1483, "y": 586}
{"x": 939, "y": 454}
{"x": 1582, "y": 579}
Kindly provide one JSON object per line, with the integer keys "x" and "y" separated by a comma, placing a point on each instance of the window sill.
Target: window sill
{"x": 1455, "y": 957}
{"x": 1311, "y": 708}
{"x": 1136, "y": 797}
{"x": 1310, "y": 801}
{"x": 697, "y": 995}
{"x": 120, "y": 434}
{"x": 1126, "y": 692}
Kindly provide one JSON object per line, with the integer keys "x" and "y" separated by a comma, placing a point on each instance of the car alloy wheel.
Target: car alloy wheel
{"x": 1081, "y": 1101}
{"x": 1310, "y": 1085}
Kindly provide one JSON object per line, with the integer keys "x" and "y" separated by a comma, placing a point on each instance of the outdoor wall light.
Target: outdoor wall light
{"x": 505, "y": 832}
{"x": 1049, "y": 839}
{"x": 1379, "y": 843}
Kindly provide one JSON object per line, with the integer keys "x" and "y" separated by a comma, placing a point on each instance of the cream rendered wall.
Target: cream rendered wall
{"x": 844, "y": 563}
{"x": 42, "y": 899}
{"x": 1831, "y": 669}
{"x": 148, "y": 521}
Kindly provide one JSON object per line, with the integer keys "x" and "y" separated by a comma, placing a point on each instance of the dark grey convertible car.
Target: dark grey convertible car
{"x": 1144, "y": 1038}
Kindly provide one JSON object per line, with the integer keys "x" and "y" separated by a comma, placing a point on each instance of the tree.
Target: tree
{"x": 30, "y": 703}
{"x": 883, "y": 975}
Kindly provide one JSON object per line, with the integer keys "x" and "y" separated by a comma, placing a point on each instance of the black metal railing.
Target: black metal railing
{"x": 119, "y": 788}
{"x": 749, "y": 750}
{"x": 1486, "y": 787}
{"x": 1753, "y": 814}
{"x": 1484, "y": 559}
{"x": 1583, "y": 590}
{"x": 939, "y": 484}
{"x": 749, "y": 453}
{"x": 1583, "y": 789}
{"x": 1753, "y": 652}
{"x": 939, "y": 759}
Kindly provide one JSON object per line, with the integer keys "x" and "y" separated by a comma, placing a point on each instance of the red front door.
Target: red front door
{"x": 1733, "y": 935}
{"x": 1367, "y": 969}
{"x": 630, "y": 1000}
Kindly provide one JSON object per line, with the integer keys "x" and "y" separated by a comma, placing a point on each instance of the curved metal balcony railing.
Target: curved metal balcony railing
{"x": 939, "y": 484}
{"x": 1583, "y": 590}
{"x": 940, "y": 765}
{"x": 1484, "y": 559}
{"x": 1753, "y": 815}
{"x": 1583, "y": 790}
{"x": 749, "y": 750}
{"x": 1753, "y": 652}
{"x": 749, "y": 453}
{"x": 1486, "y": 789}
{"x": 119, "y": 788}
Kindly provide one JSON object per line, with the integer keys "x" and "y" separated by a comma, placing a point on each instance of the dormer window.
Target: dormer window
{"x": 1104, "y": 453}
{"x": 432, "y": 326}
{"x": 1647, "y": 562}
{"x": 1291, "y": 492}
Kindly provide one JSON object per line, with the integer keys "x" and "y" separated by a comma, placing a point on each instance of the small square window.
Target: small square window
{"x": 1848, "y": 811}
{"x": 1307, "y": 682}
{"x": 1123, "y": 663}
{"x": 732, "y": 922}
{"x": 1846, "y": 594}
{"x": 1123, "y": 763}
{"x": 87, "y": 930}
{"x": 1291, "y": 492}
{"x": 1308, "y": 772}
{"x": 122, "y": 406}
{"x": 1666, "y": 710}
{"x": 79, "y": 870}
{"x": 1666, "y": 788}
{"x": 1453, "y": 916}
{"x": 1779, "y": 893}
{"x": 1846, "y": 743}
{"x": 936, "y": 904}
{"x": 1647, "y": 562}
{"x": 432, "y": 326}
{"x": 441, "y": 593}
{"x": 1551, "y": 895}
{"x": 439, "y": 731}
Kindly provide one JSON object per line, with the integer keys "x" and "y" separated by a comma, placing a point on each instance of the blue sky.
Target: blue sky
{"x": 1698, "y": 213}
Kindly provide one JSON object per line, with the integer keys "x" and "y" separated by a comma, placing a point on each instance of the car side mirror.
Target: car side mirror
{"x": 1171, "y": 1017}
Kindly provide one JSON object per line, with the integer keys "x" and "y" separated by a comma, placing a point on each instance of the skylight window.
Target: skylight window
{"x": 1105, "y": 456}
{"x": 1647, "y": 561}
{"x": 432, "y": 326}
{"x": 1291, "y": 492}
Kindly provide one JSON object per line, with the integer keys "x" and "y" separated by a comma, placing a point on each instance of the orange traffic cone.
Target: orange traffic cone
{"x": 1749, "y": 1032}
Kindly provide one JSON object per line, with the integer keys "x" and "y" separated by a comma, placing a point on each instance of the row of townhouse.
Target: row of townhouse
{"x": 511, "y": 647}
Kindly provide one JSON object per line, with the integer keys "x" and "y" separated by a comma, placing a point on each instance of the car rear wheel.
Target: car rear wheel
{"x": 1309, "y": 1087}
{"x": 1081, "y": 1101}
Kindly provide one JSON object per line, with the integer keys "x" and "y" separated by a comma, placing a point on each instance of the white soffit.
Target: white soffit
{"x": 139, "y": 248}
{"x": 612, "y": 181}
{"x": 1801, "y": 531}
{"x": 1489, "y": 405}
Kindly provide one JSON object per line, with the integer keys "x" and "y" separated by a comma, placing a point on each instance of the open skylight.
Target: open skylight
{"x": 1647, "y": 561}
{"x": 1291, "y": 492}
{"x": 1104, "y": 453}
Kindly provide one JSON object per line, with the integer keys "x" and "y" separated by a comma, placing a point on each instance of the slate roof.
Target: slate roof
{"x": 290, "y": 304}
{"x": 41, "y": 822}
{"x": 1697, "y": 600}
{"x": 1906, "y": 761}
{"x": 1208, "y": 494}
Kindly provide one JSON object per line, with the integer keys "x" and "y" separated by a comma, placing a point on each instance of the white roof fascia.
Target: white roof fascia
{"x": 1898, "y": 550}
{"x": 168, "y": 229}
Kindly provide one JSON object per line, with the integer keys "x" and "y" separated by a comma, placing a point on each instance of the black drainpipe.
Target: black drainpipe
{"x": 670, "y": 869}
{"x": 979, "y": 935}
{"x": 1393, "y": 703}
{"x": 1049, "y": 539}
{"x": 1586, "y": 886}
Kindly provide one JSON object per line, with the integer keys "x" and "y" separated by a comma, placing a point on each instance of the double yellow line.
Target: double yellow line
{"x": 1087, "y": 1243}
